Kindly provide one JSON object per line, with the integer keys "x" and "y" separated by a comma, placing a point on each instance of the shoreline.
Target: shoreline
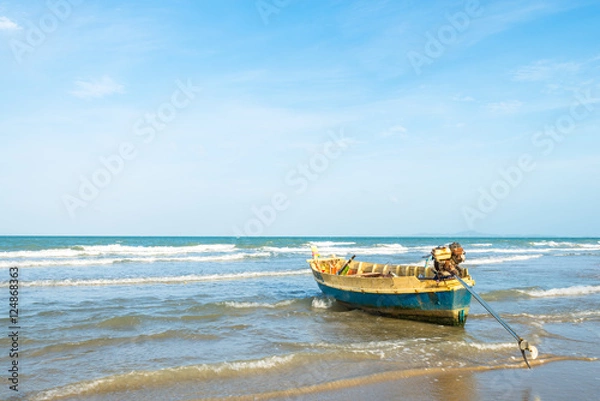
{"x": 344, "y": 389}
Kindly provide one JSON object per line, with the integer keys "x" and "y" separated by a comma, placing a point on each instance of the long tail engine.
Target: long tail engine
{"x": 447, "y": 259}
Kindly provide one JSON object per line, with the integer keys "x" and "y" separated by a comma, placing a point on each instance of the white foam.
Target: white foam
{"x": 157, "y": 250}
{"x": 423, "y": 248}
{"x": 585, "y": 314}
{"x": 552, "y": 243}
{"x": 252, "y": 305}
{"x": 148, "y": 259}
{"x": 262, "y": 364}
{"x": 46, "y": 253}
{"x": 330, "y": 243}
{"x": 548, "y": 247}
{"x": 347, "y": 248}
{"x": 483, "y": 244}
{"x": 510, "y": 250}
{"x": 325, "y": 247}
{"x": 390, "y": 248}
{"x": 286, "y": 249}
{"x": 118, "y": 249}
{"x": 377, "y": 348}
{"x": 329, "y": 247}
{"x": 563, "y": 292}
{"x": 568, "y": 246}
{"x": 160, "y": 280}
{"x": 57, "y": 262}
{"x": 575, "y": 317}
{"x": 500, "y": 259}
{"x": 141, "y": 379}
{"x": 379, "y": 249}
{"x": 322, "y": 303}
{"x": 486, "y": 346}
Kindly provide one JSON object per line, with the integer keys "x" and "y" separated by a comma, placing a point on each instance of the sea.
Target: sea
{"x": 194, "y": 318}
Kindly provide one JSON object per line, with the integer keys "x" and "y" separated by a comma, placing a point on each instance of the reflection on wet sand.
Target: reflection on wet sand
{"x": 457, "y": 384}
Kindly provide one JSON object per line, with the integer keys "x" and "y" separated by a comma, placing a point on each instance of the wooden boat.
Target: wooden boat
{"x": 424, "y": 293}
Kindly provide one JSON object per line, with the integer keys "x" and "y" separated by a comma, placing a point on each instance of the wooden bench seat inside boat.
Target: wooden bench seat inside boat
{"x": 366, "y": 269}
{"x": 374, "y": 269}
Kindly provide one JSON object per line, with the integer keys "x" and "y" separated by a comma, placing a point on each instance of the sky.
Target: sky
{"x": 299, "y": 117}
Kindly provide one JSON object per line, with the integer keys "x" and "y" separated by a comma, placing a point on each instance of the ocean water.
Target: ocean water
{"x": 165, "y": 318}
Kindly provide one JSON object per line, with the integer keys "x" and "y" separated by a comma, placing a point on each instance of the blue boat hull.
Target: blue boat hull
{"x": 448, "y": 307}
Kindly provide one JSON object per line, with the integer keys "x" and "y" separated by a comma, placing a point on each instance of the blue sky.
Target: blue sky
{"x": 299, "y": 117}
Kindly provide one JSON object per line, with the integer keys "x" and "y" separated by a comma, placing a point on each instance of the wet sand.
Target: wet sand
{"x": 549, "y": 379}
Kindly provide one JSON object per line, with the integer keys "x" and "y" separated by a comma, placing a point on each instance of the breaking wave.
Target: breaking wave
{"x": 85, "y": 255}
{"x": 322, "y": 303}
{"x": 252, "y": 305}
{"x": 344, "y": 248}
{"x": 509, "y": 250}
{"x": 564, "y": 317}
{"x": 562, "y": 292}
{"x": 485, "y": 346}
{"x": 142, "y": 379}
{"x": 331, "y": 243}
{"x": 118, "y": 249}
{"x": 500, "y": 259}
{"x": 110, "y": 261}
{"x": 162, "y": 280}
{"x": 499, "y": 295}
{"x": 562, "y": 244}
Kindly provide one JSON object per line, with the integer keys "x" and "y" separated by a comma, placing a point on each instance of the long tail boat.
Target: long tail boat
{"x": 425, "y": 293}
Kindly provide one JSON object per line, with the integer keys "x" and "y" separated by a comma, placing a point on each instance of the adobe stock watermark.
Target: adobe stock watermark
{"x": 145, "y": 130}
{"x": 267, "y": 8}
{"x": 298, "y": 181}
{"x": 545, "y": 141}
{"x": 36, "y": 33}
{"x": 510, "y": 384}
{"x": 445, "y": 36}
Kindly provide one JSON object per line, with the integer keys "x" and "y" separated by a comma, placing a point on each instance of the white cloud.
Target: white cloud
{"x": 395, "y": 130}
{"x": 544, "y": 69}
{"x": 462, "y": 98}
{"x": 8, "y": 25}
{"x": 507, "y": 107}
{"x": 96, "y": 88}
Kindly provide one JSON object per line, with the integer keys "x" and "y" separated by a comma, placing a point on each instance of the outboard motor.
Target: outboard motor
{"x": 446, "y": 259}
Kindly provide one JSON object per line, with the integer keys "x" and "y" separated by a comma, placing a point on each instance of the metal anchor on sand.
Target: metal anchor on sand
{"x": 523, "y": 344}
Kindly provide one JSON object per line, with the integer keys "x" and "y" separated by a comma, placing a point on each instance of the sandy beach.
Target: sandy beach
{"x": 548, "y": 380}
